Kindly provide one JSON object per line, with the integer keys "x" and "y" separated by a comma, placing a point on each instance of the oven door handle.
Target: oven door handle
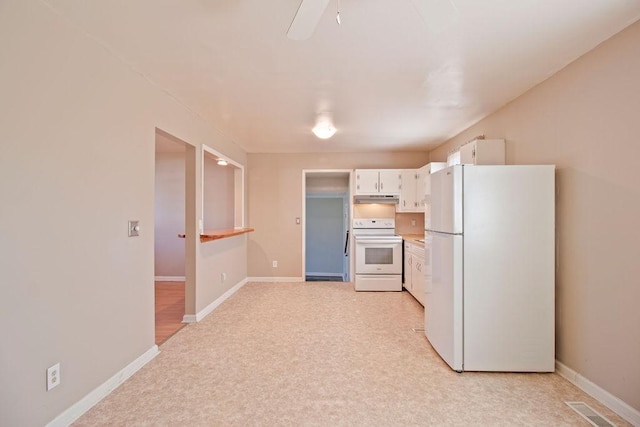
{"x": 346, "y": 244}
{"x": 369, "y": 242}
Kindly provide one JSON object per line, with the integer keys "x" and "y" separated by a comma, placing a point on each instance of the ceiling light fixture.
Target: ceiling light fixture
{"x": 338, "y": 14}
{"x": 324, "y": 129}
{"x": 222, "y": 162}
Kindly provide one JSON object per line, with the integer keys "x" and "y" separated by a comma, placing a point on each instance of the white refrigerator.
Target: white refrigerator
{"x": 490, "y": 282}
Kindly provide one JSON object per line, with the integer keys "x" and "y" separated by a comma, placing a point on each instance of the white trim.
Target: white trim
{"x": 609, "y": 400}
{"x": 275, "y": 279}
{"x": 190, "y": 318}
{"x": 76, "y": 410}
{"x": 348, "y": 195}
{"x": 169, "y": 278}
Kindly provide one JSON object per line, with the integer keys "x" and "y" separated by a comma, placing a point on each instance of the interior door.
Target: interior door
{"x": 443, "y": 298}
{"x": 324, "y": 224}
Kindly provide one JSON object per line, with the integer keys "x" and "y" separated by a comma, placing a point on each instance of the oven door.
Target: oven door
{"x": 378, "y": 256}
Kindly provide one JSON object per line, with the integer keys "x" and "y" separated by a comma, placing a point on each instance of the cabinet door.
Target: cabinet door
{"x": 390, "y": 181}
{"x": 483, "y": 152}
{"x": 468, "y": 153}
{"x": 408, "y": 201}
{"x": 418, "y": 279}
{"x": 367, "y": 181}
{"x": 421, "y": 177}
{"x": 408, "y": 269}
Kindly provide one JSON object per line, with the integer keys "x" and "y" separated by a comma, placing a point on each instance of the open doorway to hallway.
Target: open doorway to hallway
{"x": 326, "y": 225}
{"x": 169, "y": 250}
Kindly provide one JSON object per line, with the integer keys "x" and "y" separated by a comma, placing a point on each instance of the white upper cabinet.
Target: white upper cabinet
{"x": 378, "y": 181}
{"x": 408, "y": 193}
{"x": 416, "y": 187}
{"x": 483, "y": 152}
{"x": 367, "y": 181}
{"x": 390, "y": 181}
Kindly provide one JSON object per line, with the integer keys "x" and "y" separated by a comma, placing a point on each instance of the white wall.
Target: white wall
{"x": 76, "y": 162}
{"x": 585, "y": 119}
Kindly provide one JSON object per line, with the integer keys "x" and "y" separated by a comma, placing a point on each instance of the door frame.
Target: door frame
{"x": 190, "y": 240}
{"x": 304, "y": 215}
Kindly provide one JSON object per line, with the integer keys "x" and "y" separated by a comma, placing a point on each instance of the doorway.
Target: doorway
{"x": 171, "y": 155}
{"x": 327, "y": 213}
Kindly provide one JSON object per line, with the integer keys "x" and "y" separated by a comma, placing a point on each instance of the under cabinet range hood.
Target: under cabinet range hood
{"x": 390, "y": 199}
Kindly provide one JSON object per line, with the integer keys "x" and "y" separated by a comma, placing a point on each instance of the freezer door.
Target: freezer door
{"x": 446, "y": 200}
{"x": 443, "y": 298}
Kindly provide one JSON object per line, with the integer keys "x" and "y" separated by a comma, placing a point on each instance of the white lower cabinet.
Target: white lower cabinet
{"x": 414, "y": 273}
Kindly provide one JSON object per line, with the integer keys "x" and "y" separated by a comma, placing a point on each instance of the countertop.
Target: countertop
{"x": 207, "y": 236}
{"x": 413, "y": 239}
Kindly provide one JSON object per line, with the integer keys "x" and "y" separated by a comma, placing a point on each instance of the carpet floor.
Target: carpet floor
{"x": 322, "y": 354}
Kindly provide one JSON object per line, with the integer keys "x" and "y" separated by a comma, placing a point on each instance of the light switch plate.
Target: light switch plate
{"x": 134, "y": 228}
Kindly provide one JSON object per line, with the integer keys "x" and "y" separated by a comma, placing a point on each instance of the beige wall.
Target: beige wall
{"x": 585, "y": 119}
{"x": 275, "y": 201}
{"x": 218, "y": 195}
{"x": 77, "y": 162}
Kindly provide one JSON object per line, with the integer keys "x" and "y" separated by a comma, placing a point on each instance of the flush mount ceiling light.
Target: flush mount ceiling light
{"x": 324, "y": 129}
{"x": 222, "y": 162}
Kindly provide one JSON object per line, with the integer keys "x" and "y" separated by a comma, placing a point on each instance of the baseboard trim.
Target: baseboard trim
{"x": 325, "y": 274}
{"x": 169, "y": 279}
{"x": 90, "y": 400}
{"x": 195, "y": 318}
{"x": 618, "y": 406}
{"x": 276, "y": 279}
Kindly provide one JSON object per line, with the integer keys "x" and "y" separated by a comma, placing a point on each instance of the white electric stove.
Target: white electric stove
{"x": 378, "y": 255}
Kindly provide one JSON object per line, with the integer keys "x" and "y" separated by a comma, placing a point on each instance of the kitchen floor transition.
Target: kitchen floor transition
{"x": 169, "y": 303}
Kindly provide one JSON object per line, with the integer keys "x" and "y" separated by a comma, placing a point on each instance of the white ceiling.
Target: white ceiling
{"x": 390, "y": 79}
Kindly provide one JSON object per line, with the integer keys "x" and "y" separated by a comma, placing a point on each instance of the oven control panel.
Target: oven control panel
{"x": 374, "y": 223}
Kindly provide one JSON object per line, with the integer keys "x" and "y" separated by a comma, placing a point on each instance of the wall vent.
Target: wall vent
{"x": 590, "y": 414}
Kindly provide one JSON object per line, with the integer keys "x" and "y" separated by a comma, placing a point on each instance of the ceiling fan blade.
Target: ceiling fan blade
{"x": 306, "y": 19}
{"x": 437, "y": 15}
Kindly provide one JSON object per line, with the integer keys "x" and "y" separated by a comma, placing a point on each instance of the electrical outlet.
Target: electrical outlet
{"x": 275, "y": 264}
{"x": 413, "y": 222}
{"x": 53, "y": 376}
{"x": 223, "y": 277}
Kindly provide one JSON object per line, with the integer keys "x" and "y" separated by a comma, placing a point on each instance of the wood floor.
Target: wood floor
{"x": 169, "y": 309}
